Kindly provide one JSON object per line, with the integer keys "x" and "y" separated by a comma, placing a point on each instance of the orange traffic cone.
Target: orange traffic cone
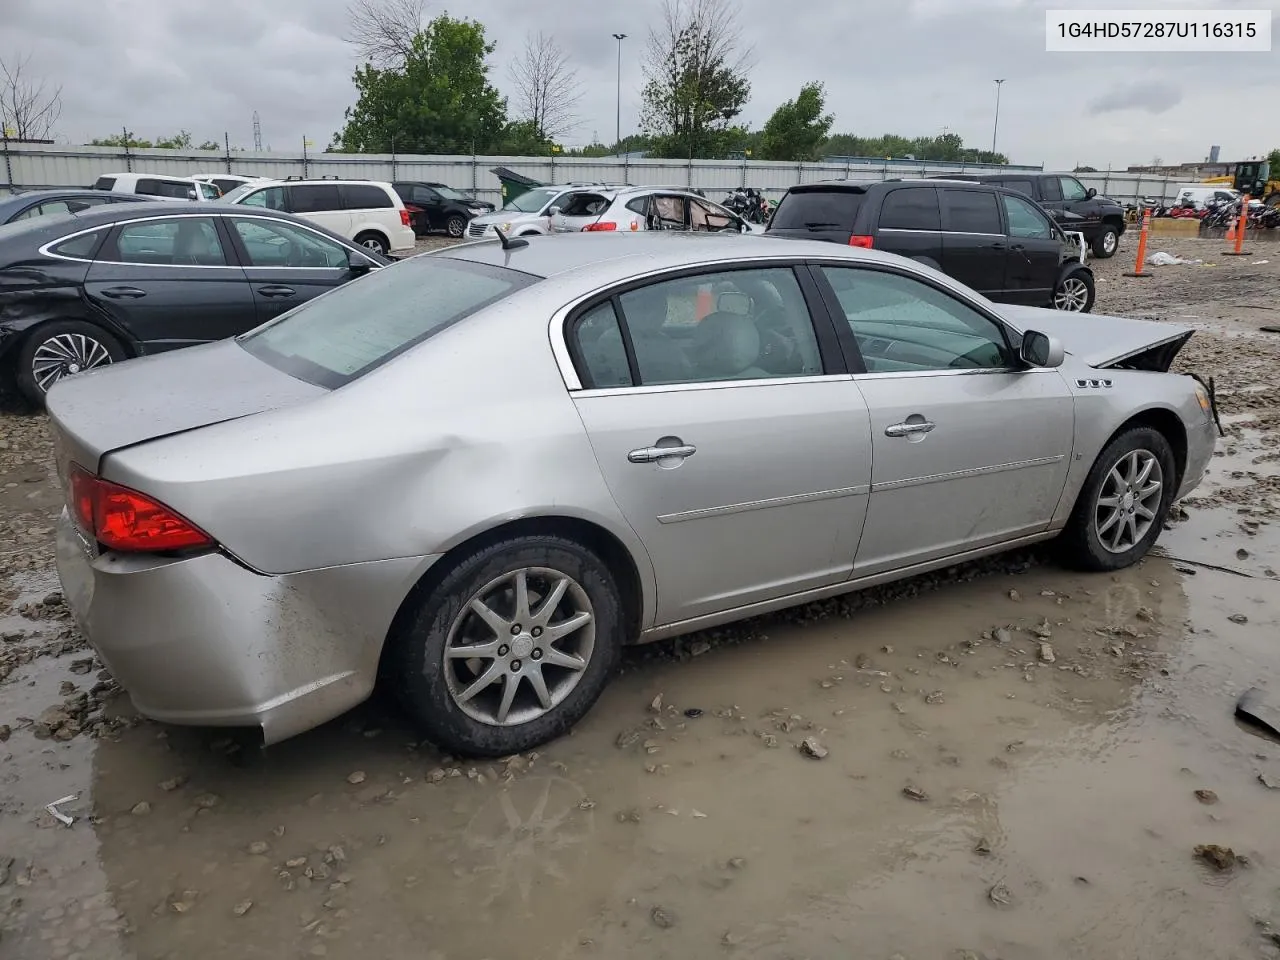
{"x": 1231, "y": 231}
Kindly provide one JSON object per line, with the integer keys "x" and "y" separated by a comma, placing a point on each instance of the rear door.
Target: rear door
{"x": 286, "y": 263}
{"x": 171, "y": 282}
{"x": 974, "y": 246}
{"x": 818, "y": 214}
{"x": 320, "y": 203}
{"x": 1035, "y": 253}
{"x": 667, "y": 211}
{"x": 910, "y": 224}
{"x": 744, "y": 472}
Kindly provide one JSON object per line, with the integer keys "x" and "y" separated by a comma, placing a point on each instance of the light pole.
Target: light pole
{"x": 618, "y": 134}
{"x": 996, "y": 125}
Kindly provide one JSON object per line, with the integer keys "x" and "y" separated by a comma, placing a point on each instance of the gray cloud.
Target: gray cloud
{"x": 1149, "y": 96}
{"x": 910, "y": 67}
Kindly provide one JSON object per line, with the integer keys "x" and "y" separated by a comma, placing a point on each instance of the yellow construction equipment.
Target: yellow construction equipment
{"x": 1253, "y": 177}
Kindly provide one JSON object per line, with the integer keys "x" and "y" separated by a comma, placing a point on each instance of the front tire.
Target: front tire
{"x": 61, "y": 349}
{"x": 511, "y": 648}
{"x": 1075, "y": 293}
{"x": 1106, "y": 244}
{"x": 1123, "y": 504}
{"x": 455, "y": 226}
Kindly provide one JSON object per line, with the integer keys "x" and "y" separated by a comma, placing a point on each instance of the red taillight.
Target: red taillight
{"x": 601, "y": 225}
{"x": 123, "y": 519}
{"x": 404, "y": 217}
{"x": 865, "y": 242}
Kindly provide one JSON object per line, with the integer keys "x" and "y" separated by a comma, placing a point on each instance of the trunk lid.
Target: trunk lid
{"x": 124, "y": 404}
{"x": 1101, "y": 341}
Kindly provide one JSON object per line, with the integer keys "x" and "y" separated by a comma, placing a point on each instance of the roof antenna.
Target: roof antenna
{"x": 508, "y": 243}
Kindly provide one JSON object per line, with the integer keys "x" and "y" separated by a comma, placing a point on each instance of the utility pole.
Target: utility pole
{"x": 618, "y": 137}
{"x": 996, "y": 125}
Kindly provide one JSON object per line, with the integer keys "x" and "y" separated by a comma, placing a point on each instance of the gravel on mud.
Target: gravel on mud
{"x": 1081, "y": 787}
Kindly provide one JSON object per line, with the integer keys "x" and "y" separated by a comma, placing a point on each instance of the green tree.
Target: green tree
{"x": 440, "y": 101}
{"x": 179, "y": 141}
{"x": 798, "y": 127}
{"x": 695, "y": 79}
{"x": 124, "y": 138}
{"x": 947, "y": 146}
{"x": 1274, "y": 159}
{"x": 210, "y": 145}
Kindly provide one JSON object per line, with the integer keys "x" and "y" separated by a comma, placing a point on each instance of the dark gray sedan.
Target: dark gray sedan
{"x": 82, "y": 290}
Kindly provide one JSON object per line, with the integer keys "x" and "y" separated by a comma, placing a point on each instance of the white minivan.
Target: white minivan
{"x": 157, "y": 186}
{"x": 369, "y": 212}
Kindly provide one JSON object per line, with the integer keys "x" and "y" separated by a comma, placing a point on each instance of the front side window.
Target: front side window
{"x": 1025, "y": 220}
{"x": 911, "y": 208}
{"x": 730, "y": 325}
{"x": 363, "y": 196}
{"x": 315, "y": 198}
{"x": 272, "y": 198}
{"x": 348, "y": 331}
{"x": 209, "y": 191}
{"x": 425, "y": 195}
{"x": 272, "y": 243}
{"x": 972, "y": 211}
{"x": 1072, "y": 189}
{"x": 904, "y": 325}
{"x": 180, "y": 242}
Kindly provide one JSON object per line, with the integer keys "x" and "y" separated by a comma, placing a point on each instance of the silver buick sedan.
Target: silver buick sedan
{"x": 477, "y": 474}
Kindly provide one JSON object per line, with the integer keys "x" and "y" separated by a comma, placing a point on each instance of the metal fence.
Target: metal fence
{"x": 29, "y": 166}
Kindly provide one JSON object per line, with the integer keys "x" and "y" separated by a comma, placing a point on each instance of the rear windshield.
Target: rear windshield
{"x": 818, "y": 210}
{"x": 342, "y": 335}
{"x": 584, "y": 205}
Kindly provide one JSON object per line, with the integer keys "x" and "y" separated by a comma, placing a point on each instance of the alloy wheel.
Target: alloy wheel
{"x": 519, "y": 647}
{"x": 1110, "y": 241}
{"x": 64, "y": 355}
{"x": 456, "y": 226}
{"x": 1072, "y": 295}
{"x": 374, "y": 244}
{"x": 1129, "y": 501}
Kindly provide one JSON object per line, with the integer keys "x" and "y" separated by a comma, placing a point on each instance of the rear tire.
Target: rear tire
{"x": 539, "y": 683}
{"x": 375, "y": 242}
{"x": 1090, "y": 540}
{"x": 1106, "y": 244}
{"x": 61, "y": 349}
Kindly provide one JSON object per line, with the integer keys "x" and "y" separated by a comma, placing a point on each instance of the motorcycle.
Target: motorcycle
{"x": 750, "y": 204}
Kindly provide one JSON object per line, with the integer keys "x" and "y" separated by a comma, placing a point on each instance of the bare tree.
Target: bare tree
{"x": 28, "y": 107}
{"x": 547, "y": 90}
{"x": 383, "y": 30}
{"x": 696, "y": 70}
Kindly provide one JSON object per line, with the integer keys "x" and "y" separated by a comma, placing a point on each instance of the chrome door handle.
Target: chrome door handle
{"x": 908, "y": 429}
{"x": 653, "y": 454}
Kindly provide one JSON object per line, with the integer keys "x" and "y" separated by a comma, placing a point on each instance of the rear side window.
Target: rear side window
{"x": 343, "y": 334}
{"x": 1022, "y": 186}
{"x": 584, "y": 205}
{"x": 911, "y": 208}
{"x": 639, "y": 205}
{"x": 1050, "y": 187}
{"x": 104, "y": 183}
{"x": 363, "y": 196}
{"x": 82, "y": 247}
{"x": 314, "y": 198}
{"x": 818, "y": 210}
{"x": 972, "y": 211}
{"x": 599, "y": 344}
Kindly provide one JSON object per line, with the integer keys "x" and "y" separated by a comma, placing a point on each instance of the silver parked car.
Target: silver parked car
{"x": 633, "y": 209}
{"x": 478, "y": 473}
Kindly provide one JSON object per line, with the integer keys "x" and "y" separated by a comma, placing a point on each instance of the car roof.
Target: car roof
{"x": 619, "y": 256}
{"x": 272, "y": 182}
{"x": 22, "y": 199}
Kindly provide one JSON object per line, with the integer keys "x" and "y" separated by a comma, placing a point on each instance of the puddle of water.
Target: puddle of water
{"x": 731, "y": 841}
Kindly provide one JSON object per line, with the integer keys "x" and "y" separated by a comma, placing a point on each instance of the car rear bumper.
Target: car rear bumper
{"x": 204, "y": 641}
{"x": 403, "y": 240}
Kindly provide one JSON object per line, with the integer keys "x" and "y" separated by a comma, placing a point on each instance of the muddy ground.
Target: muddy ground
{"x": 1016, "y": 762}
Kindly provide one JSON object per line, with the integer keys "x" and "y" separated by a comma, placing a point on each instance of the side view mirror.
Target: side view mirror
{"x": 191, "y": 193}
{"x": 1040, "y": 350}
{"x": 553, "y": 211}
{"x": 358, "y": 264}
{"x": 1090, "y": 193}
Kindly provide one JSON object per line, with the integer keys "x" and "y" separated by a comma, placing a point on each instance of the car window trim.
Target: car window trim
{"x": 243, "y": 254}
{"x": 114, "y": 232}
{"x": 849, "y": 342}
{"x": 563, "y": 328}
{"x": 46, "y": 250}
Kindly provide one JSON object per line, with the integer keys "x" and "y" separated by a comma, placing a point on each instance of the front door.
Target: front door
{"x": 739, "y": 463}
{"x": 967, "y": 449}
{"x": 170, "y": 282}
{"x": 974, "y": 246}
{"x": 1035, "y": 253}
{"x": 287, "y": 264}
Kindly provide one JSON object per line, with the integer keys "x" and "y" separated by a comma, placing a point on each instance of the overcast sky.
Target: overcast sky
{"x": 913, "y": 67}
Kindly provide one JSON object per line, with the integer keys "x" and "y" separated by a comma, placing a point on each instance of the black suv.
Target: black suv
{"x": 996, "y": 241}
{"x": 434, "y": 206}
{"x": 1072, "y": 204}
